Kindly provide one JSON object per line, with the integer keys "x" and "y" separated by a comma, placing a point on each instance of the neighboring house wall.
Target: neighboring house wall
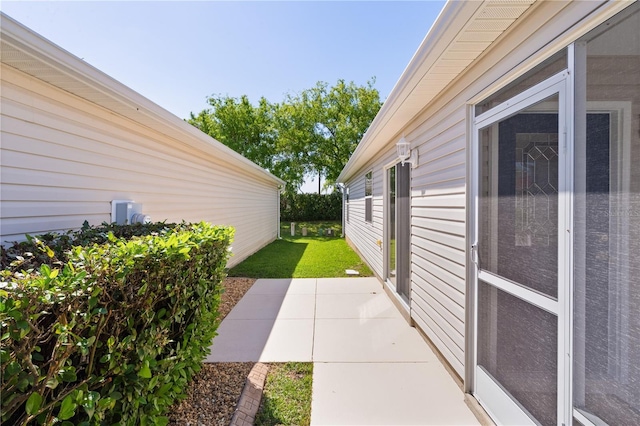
{"x": 65, "y": 158}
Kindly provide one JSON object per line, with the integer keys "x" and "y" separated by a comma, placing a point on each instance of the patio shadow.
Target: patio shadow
{"x": 277, "y": 260}
{"x": 272, "y": 323}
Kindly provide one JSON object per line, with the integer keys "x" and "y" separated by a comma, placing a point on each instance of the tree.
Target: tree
{"x": 244, "y": 128}
{"x": 329, "y": 123}
{"x": 314, "y": 132}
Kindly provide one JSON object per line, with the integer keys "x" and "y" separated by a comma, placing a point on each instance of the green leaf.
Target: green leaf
{"x": 142, "y": 289}
{"x": 52, "y": 383}
{"x": 106, "y": 402}
{"x": 145, "y": 372}
{"x": 12, "y": 368}
{"x": 33, "y": 403}
{"x": 23, "y": 384}
{"x": 15, "y": 314}
{"x": 67, "y": 408}
{"x": 89, "y": 403}
{"x": 164, "y": 389}
{"x": 161, "y": 421}
{"x": 153, "y": 382}
{"x": 45, "y": 270}
{"x": 68, "y": 375}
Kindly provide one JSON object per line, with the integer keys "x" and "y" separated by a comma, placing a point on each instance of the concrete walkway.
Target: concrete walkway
{"x": 370, "y": 366}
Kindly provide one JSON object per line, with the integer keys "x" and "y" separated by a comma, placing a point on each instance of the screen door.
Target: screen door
{"x": 518, "y": 255}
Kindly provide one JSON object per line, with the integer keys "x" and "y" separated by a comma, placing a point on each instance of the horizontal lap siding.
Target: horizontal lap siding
{"x": 438, "y": 234}
{"x": 364, "y": 235}
{"x": 438, "y": 193}
{"x": 64, "y": 160}
{"x": 438, "y": 184}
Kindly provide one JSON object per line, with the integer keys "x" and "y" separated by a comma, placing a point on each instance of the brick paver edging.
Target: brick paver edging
{"x": 249, "y": 401}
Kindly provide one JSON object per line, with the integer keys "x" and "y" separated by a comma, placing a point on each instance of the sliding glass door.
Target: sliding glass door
{"x": 606, "y": 297}
{"x": 398, "y": 223}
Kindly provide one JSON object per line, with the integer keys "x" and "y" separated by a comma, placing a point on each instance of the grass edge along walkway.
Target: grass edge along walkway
{"x": 286, "y": 399}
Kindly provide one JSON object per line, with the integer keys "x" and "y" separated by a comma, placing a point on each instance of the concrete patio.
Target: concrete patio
{"x": 370, "y": 366}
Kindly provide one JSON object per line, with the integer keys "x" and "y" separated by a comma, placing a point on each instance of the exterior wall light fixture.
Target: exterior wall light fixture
{"x": 405, "y": 154}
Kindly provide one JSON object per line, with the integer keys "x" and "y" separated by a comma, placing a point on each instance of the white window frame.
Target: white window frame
{"x": 368, "y": 199}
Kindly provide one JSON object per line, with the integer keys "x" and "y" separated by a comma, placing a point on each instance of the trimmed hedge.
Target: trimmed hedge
{"x": 311, "y": 207}
{"x": 113, "y": 332}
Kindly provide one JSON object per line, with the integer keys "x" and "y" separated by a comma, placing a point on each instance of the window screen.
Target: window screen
{"x": 368, "y": 199}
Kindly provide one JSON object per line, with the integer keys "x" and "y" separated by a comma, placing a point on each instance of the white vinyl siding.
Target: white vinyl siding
{"x": 64, "y": 159}
{"x": 438, "y": 184}
{"x": 363, "y": 234}
{"x": 438, "y": 228}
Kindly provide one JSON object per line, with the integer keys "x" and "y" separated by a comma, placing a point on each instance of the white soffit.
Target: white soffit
{"x": 462, "y": 32}
{"x": 30, "y": 53}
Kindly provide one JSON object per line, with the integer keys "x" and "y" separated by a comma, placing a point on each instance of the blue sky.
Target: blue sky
{"x": 176, "y": 53}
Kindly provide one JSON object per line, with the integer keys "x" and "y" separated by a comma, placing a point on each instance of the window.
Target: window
{"x": 368, "y": 200}
{"x": 346, "y": 203}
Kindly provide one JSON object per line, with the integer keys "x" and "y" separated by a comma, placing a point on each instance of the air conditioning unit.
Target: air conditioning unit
{"x": 126, "y": 212}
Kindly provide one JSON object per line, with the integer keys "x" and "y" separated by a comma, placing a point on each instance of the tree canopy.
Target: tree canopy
{"x": 312, "y": 132}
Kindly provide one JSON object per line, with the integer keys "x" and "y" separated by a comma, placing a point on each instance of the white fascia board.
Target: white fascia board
{"x": 52, "y": 55}
{"x": 451, "y": 20}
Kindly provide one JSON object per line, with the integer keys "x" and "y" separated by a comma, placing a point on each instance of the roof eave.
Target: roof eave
{"x": 434, "y": 66}
{"x": 444, "y": 23}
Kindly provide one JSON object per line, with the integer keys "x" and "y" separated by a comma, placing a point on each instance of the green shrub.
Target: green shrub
{"x": 311, "y": 207}
{"x": 113, "y": 334}
{"x": 61, "y": 243}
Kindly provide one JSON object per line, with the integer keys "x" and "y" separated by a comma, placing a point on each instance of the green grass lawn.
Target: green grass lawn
{"x": 287, "y": 395}
{"x": 302, "y": 257}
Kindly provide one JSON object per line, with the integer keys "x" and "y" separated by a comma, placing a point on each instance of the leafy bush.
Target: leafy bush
{"x": 61, "y": 243}
{"x": 113, "y": 333}
{"x": 311, "y": 207}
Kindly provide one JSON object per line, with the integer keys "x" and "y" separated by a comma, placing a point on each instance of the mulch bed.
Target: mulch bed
{"x": 213, "y": 394}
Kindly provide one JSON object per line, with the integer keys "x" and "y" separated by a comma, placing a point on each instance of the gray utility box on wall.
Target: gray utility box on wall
{"x": 125, "y": 212}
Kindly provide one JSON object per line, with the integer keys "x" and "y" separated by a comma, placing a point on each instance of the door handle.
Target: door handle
{"x": 475, "y": 255}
